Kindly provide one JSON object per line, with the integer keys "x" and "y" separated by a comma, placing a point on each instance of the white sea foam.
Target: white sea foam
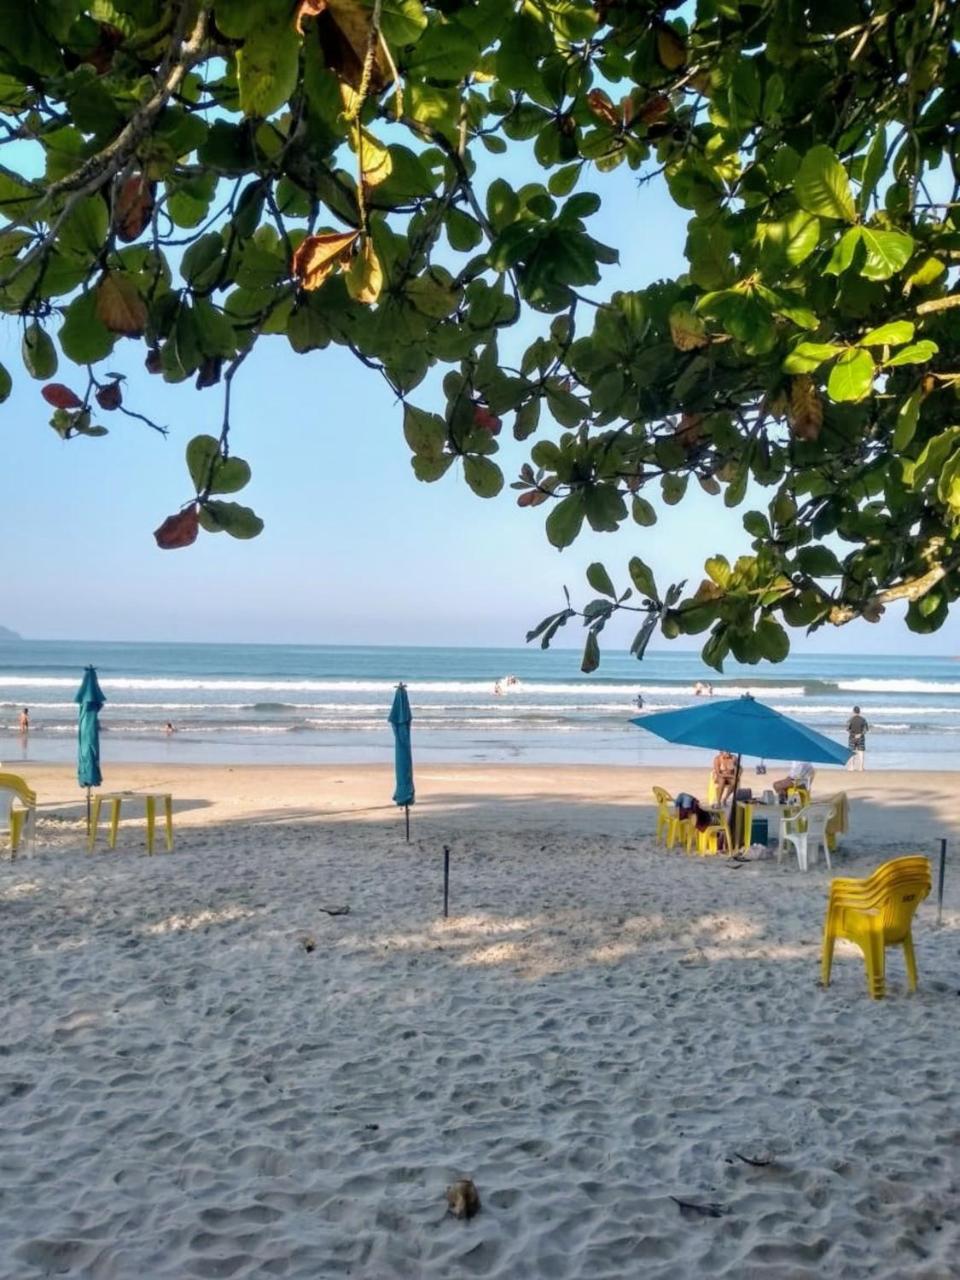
{"x": 900, "y": 686}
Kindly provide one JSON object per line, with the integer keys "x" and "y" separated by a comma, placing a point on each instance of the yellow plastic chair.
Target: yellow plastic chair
{"x": 711, "y": 789}
{"x": 876, "y": 913}
{"x": 708, "y": 838}
{"x": 838, "y": 822}
{"x": 666, "y": 814}
{"x": 22, "y": 813}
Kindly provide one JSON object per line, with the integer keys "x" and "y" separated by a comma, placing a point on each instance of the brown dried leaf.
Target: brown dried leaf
{"x": 179, "y": 530}
{"x": 689, "y": 429}
{"x": 134, "y": 207}
{"x": 365, "y": 277}
{"x": 654, "y": 108}
{"x": 805, "y": 412}
{"x": 343, "y": 29}
{"x": 120, "y": 306}
{"x": 110, "y": 396}
{"x": 318, "y": 256}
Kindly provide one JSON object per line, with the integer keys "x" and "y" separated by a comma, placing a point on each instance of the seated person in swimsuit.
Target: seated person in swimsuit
{"x": 724, "y": 774}
{"x": 800, "y": 775}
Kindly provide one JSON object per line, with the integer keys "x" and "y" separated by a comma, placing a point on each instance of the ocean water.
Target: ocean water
{"x": 277, "y": 704}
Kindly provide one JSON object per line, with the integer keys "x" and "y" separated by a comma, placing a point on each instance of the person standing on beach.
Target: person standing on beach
{"x": 857, "y": 739}
{"x": 25, "y": 721}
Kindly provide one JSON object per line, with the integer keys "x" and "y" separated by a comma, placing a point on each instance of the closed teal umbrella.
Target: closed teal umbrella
{"x": 400, "y": 718}
{"x": 90, "y": 699}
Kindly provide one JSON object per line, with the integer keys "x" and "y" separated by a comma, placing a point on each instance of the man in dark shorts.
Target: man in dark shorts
{"x": 857, "y": 739}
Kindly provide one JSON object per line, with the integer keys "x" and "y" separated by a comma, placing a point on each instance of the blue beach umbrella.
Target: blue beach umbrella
{"x": 90, "y": 699}
{"x": 744, "y": 727}
{"x": 400, "y": 718}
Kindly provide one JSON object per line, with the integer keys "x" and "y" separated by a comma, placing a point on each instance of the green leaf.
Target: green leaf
{"x": 430, "y": 469}
{"x": 604, "y": 507}
{"x": 851, "y": 378}
{"x": 232, "y": 518}
{"x": 718, "y": 569}
{"x": 822, "y": 186}
{"x": 887, "y": 253}
{"x": 39, "y": 353}
{"x": 843, "y": 252}
{"x": 600, "y": 580}
{"x": 591, "y": 653}
{"x": 889, "y": 335}
{"x": 642, "y": 578}
{"x": 643, "y": 513}
{"x": 565, "y": 520}
{"x": 907, "y": 418}
{"x": 84, "y": 338}
{"x": 483, "y": 476}
{"x": 819, "y": 562}
{"x": 212, "y": 473}
{"x": 807, "y": 356}
{"x": 873, "y": 167}
{"x": 772, "y": 639}
{"x": 917, "y": 353}
{"x": 425, "y": 433}
{"x": 267, "y": 64}
{"x": 463, "y": 232}
{"x": 6, "y": 383}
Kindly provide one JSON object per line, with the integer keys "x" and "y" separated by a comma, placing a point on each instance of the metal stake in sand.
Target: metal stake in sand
{"x": 446, "y": 880}
{"x": 943, "y": 865}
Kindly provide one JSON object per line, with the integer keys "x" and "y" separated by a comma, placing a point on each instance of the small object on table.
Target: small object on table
{"x": 115, "y": 800}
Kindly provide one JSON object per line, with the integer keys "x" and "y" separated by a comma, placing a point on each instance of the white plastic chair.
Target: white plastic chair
{"x": 805, "y": 830}
{"x": 21, "y": 810}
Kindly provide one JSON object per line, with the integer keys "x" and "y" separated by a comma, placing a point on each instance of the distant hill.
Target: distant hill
{"x": 7, "y": 634}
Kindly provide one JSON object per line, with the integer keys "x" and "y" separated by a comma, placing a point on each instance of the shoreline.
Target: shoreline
{"x": 888, "y": 807}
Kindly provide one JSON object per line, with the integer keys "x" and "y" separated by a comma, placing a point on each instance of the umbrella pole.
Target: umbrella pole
{"x": 733, "y": 805}
{"x": 446, "y": 880}
{"x": 88, "y": 812}
{"x": 943, "y": 866}
{"x": 406, "y": 810}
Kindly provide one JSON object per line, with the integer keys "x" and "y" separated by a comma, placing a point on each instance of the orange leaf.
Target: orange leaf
{"x": 133, "y": 208}
{"x": 365, "y": 278}
{"x": 179, "y": 530}
{"x": 120, "y": 306}
{"x": 318, "y": 256}
{"x": 601, "y": 106}
{"x": 308, "y": 9}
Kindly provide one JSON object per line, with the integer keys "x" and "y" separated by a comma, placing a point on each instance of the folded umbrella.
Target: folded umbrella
{"x": 90, "y": 699}
{"x": 400, "y": 718}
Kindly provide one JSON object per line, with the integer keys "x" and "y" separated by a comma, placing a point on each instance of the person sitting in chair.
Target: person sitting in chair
{"x": 800, "y": 775}
{"x": 724, "y": 775}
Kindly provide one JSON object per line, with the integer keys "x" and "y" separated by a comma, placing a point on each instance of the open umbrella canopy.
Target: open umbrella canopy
{"x": 400, "y": 718}
{"x": 744, "y": 727}
{"x": 90, "y": 699}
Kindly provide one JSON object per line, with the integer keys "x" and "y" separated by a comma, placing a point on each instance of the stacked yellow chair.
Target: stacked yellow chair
{"x": 708, "y": 838}
{"x": 670, "y": 826}
{"x": 22, "y": 813}
{"x": 877, "y": 913}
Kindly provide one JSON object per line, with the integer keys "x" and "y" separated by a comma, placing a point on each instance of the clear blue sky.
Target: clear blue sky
{"x": 355, "y": 549}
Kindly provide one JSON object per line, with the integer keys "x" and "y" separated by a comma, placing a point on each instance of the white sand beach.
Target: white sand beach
{"x": 204, "y": 1074}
